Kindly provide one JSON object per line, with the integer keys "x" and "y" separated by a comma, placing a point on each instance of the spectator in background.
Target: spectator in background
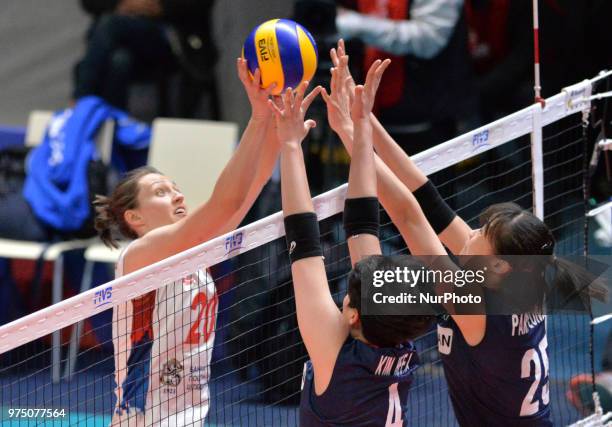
{"x": 131, "y": 40}
{"x": 574, "y": 45}
{"x": 501, "y": 49}
{"x": 426, "y": 88}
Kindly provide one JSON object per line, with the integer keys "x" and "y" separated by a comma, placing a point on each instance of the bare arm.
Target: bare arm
{"x": 321, "y": 324}
{"x": 362, "y": 174}
{"x": 457, "y": 233}
{"x": 396, "y": 197}
{"x": 398, "y": 201}
{"x": 235, "y": 190}
{"x": 400, "y": 164}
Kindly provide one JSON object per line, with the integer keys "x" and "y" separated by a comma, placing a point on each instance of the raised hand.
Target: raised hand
{"x": 289, "y": 110}
{"x": 258, "y": 97}
{"x": 341, "y": 65}
{"x": 338, "y": 104}
{"x": 365, "y": 95}
{"x": 342, "y": 86}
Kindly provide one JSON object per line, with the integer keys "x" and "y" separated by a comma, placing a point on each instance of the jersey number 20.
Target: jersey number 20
{"x": 539, "y": 359}
{"x": 207, "y": 309}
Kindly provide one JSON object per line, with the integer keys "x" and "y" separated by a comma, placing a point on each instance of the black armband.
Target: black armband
{"x": 361, "y": 216}
{"x": 303, "y": 238}
{"x": 436, "y": 210}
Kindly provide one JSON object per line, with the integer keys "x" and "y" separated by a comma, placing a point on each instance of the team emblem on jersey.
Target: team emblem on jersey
{"x": 171, "y": 373}
{"x": 445, "y": 340}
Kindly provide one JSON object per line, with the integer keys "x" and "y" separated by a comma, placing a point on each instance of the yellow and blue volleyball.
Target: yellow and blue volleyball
{"x": 284, "y": 52}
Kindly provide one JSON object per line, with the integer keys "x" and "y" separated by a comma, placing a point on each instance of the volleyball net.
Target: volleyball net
{"x": 228, "y": 304}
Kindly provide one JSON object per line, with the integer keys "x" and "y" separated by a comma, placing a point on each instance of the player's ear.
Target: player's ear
{"x": 133, "y": 218}
{"x": 354, "y": 319}
{"x": 500, "y": 266}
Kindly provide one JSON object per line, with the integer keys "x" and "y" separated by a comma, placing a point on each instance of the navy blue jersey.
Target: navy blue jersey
{"x": 369, "y": 387}
{"x": 504, "y": 379}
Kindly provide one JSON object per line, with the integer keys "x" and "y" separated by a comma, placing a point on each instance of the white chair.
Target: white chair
{"x": 37, "y": 124}
{"x": 193, "y": 153}
{"x": 54, "y": 252}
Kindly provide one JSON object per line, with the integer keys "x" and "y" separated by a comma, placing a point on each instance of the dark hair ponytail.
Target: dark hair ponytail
{"x": 104, "y": 221}
{"x": 109, "y": 210}
{"x": 514, "y": 231}
{"x": 571, "y": 285}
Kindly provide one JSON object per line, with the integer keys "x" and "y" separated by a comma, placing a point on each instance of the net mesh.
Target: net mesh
{"x": 252, "y": 373}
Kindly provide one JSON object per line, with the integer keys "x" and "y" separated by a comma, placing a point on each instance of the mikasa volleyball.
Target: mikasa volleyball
{"x": 284, "y": 51}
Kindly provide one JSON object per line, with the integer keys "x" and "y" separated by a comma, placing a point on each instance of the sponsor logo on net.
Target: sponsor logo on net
{"x": 480, "y": 139}
{"x": 103, "y": 296}
{"x": 235, "y": 242}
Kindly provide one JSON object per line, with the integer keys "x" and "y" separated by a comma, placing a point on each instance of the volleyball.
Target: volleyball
{"x": 284, "y": 51}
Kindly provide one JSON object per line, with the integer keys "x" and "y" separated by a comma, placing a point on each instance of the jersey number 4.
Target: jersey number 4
{"x": 537, "y": 358}
{"x": 207, "y": 316}
{"x": 394, "y": 415}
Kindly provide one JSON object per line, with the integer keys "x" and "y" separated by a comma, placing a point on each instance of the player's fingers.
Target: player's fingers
{"x": 274, "y": 108}
{"x": 349, "y": 86}
{"x": 372, "y": 71}
{"x": 381, "y": 69}
{"x": 277, "y": 101}
{"x": 309, "y": 124}
{"x": 343, "y": 68}
{"x": 350, "y": 90}
{"x": 311, "y": 97}
{"x": 341, "y": 49}
{"x": 241, "y": 69}
{"x": 270, "y": 88}
{"x": 344, "y": 63}
{"x": 257, "y": 78}
{"x": 378, "y": 76}
{"x": 333, "y": 81}
{"x": 334, "y": 56}
{"x": 358, "y": 101}
{"x": 287, "y": 98}
{"x": 299, "y": 92}
{"x": 325, "y": 95}
{"x": 358, "y": 93}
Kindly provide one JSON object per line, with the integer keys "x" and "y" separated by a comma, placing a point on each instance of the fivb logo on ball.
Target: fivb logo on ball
{"x": 284, "y": 51}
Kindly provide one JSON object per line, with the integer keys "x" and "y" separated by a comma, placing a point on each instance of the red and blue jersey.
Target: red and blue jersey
{"x": 163, "y": 343}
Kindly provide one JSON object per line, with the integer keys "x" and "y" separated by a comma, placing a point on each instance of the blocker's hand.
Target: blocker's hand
{"x": 258, "y": 97}
{"x": 338, "y": 101}
{"x": 289, "y": 110}
{"x": 364, "y": 95}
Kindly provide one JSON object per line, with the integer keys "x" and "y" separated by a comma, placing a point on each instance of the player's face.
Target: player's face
{"x": 160, "y": 202}
{"x": 477, "y": 244}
